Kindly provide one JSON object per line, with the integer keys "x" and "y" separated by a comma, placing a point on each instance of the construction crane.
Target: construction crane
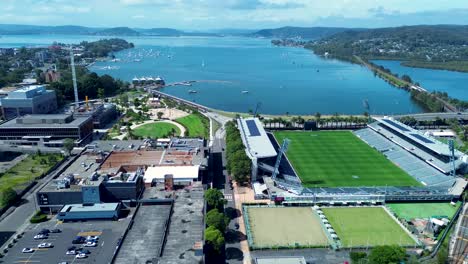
{"x": 75, "y": 86}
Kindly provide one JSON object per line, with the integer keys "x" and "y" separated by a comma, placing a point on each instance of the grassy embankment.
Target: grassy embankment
{"x": 26, "y": 171}
{"x": 197, "y": 125}
{"x": 156, "y": 130}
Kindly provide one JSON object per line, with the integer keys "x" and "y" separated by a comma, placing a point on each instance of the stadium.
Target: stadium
{"x": 346, "y": 178}
{"x": 386, "y": 161}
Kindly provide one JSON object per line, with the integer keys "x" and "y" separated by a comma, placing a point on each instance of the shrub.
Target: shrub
{"x": 39, "y": 217}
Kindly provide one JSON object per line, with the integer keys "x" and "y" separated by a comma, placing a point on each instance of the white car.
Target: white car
{"x": 27, "y": 250}
{"x": 44, "y": 245}
{"x": 90, "y": 244}
{"x": 71, "y": 252}
{"x": 92, "y": 237}
{"x": 81, "y": 256}
{"x": 40, "y": 236}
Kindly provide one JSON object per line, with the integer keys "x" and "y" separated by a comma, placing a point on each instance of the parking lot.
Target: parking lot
{"x": 109, "y": 233}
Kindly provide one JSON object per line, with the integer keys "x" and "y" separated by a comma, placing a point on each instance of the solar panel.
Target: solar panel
{"x": 402, "y": 128}
{"x": 423, "y": 139}
{"x": 253, "y": 129}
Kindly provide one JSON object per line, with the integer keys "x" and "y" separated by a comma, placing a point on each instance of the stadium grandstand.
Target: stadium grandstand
{"x": 257, "y": 144}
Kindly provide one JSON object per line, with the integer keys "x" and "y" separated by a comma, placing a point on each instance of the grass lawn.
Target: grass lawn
{"x": 156, "y": 130}
{"x": 27, "y": 170}
{"x": 196, "y": 124}
{"x": 410, "y": 211}
{"x": 338, "y": 159}
{"x": 364, "y": 226}
{"x": 285, "y": 226}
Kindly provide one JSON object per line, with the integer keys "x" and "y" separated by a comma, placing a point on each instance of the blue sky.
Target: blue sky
{"x": 216, "y": 14}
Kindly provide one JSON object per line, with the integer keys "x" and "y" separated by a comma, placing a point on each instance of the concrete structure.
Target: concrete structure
{"x": 36, "y": 131}
{"x": 102, "y": 114}
{"x": 89, "y": 211}
{"x": 34, "y": 99}
{"x": 180, "y": 175}
{"x": 256, "y": 142}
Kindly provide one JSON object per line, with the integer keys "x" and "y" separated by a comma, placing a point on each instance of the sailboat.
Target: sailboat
{"x": 203, "y": 64}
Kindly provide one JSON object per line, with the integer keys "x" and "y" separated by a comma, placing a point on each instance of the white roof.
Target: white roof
{"x": 255, "y": 138}
{"x": 178, "y": 172}
{"x": 259, "y": 188}
{"x": 443, "y": 133}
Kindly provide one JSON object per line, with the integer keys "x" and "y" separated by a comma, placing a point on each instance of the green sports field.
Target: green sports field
{"x": 339, "y": 159}
{"x": 362, "y": 226}
{"x": 410, "y": 211}
{"x": 156, "y": 130}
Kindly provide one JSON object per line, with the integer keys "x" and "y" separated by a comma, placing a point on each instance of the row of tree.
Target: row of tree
{"x": 216, "y": 221}
{"x": 238, "y": 164}
{"x": 298, "y": 122}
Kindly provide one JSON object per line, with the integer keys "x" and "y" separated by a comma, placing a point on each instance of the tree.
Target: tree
{"x": 216, "y": 219}
{"x": 101, "y": 94}
{"x": 159, "y": 114}
{"x": 387, "y": 254}
{"x": 8, "y": 196}
{"x": 406, "y": 78}
{"x": 317, "y": 116}
{"x": 68, "y": 145}
{"x": 214, "y": 198}
{"x": 214, "y": 237}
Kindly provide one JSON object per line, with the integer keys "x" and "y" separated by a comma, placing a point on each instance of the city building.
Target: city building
{"x": 51, "y": 75}
{"x": 42, "y": 131}
{"x": 34, "y": 99}
{"x": 101, "y": 113}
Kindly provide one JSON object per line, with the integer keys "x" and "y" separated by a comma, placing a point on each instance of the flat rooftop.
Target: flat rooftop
{"x": 76, "y": 122}
{"x": 177, "y": 172}
{"x": 82, "y": 168}
{"x": 76, "y": 208}
{"x": 144, "y": 240}
{"x": 255, "y": 138}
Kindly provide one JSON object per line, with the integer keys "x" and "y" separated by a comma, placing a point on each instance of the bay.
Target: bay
{"x": 282, "y": 79}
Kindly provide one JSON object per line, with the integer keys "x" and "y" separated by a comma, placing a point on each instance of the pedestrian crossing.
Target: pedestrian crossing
{"x": 228, "y": 197}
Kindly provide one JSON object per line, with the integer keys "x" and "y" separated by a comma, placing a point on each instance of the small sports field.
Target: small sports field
{"x": 339, "y": 159}
{"x": 285, "y": 227}
{"x": 410, "y": 211}
{"x": 362, "y": 226}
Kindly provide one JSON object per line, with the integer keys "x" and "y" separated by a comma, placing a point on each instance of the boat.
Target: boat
{"x": 245, "y": 92}
{"x": 203, "y": 64}
{"x": 192, "y": 91}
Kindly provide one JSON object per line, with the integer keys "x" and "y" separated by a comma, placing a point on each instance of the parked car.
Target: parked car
{"x": 81, "y": 256}
{"x": 44, "y": 231}
{"x": 45, "y": 245}
{"x": 63, "y": 262}
{"x": 55, "y": 230}
{"x": 27, "y": 250}
{"x": 40, "y": 236}
{"x": 79, "y": 240}
{"x": 92, "y": 237}
{"x": 71, "y": 248}
{"x": 71, "y": 252}
{"x": 84, "y": 251}
{"x": 90, "y": 244}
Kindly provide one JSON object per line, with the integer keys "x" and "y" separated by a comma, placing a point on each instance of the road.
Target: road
{"x": 459, "y": 246}
{"x": 18, "y": 220}
{"x": 220, "y": 181}
{"x": 433, "y": 116}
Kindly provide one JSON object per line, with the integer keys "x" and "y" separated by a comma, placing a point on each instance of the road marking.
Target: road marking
{"x": 102, "y": 243}
{"x": 27, "y": 261}
{"x": 228, "y": 197}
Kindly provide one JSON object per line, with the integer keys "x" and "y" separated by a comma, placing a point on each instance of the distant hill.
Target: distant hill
{"x": 117, "y": 31}
{"x": 299, "y": 32}
{"x": 442, "y": 34}
{"x": 7, "y": 29}
{"x": 161, "y": 32}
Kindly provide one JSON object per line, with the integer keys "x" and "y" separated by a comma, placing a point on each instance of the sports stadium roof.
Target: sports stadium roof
{"x": 428, "y": 142}
{"x": 255, "y": 139}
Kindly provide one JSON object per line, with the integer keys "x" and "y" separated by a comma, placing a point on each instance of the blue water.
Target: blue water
{"x": 282, "y": 79}
{"x": 454, "y": 83}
